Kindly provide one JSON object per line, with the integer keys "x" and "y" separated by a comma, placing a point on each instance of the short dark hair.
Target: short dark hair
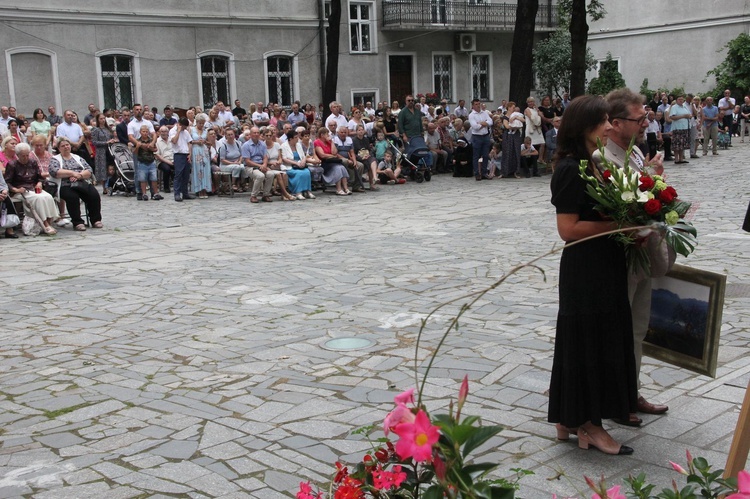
{"x": 474, "y": 100}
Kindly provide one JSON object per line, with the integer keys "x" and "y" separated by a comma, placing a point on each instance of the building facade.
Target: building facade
{"x": 196, "y": 53}
{"x": 673, "y": 44}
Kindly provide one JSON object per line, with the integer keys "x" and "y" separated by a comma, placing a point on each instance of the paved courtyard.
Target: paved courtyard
{"x": 181, "y": 351}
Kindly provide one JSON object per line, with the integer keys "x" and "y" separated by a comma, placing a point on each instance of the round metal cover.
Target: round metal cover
{"x": 347, "y": 343}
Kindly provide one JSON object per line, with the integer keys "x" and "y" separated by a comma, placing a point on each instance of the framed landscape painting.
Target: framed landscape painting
{"x": 686, "y": 308}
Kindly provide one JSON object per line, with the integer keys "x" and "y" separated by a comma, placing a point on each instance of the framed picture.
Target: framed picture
{"x": 686, "y": 308}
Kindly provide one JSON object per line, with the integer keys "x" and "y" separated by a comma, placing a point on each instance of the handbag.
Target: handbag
{"x": 30, "y": 227}
{"x": 8, "y": 220}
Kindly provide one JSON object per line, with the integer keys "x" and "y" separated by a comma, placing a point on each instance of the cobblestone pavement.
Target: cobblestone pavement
{"x": 181, "y": 350}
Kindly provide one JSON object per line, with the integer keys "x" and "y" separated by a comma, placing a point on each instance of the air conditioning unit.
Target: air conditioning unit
{"x": 466, "y": 42}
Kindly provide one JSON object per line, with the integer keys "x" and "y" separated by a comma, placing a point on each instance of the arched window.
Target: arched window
{"x": 117, "y": 81}
{"x": 280, "y": 73}
{"x": 215, "y": 79}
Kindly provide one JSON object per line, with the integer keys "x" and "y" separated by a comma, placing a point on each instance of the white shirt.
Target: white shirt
{"x": 726, "y": 103}
{"x": 461, "y": 112}
{"x": 225, "y": 116}
{"x": 476, "y": 118}
{"x": 134, "y": 127}
{"x": 260, "y": 116}
{"x": 340, "y": 120}
{"x": 73, "y": 131}
{"x": 182, "y": 145}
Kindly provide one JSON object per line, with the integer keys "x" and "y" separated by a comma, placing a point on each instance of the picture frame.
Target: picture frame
{"x": 685, "y": 320}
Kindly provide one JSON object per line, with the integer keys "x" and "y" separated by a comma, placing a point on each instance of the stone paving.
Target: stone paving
{"x": 180, "y": 352}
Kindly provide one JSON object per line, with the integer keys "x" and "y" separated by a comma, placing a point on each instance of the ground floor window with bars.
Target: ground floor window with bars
{"x": 215, "y": 77}
{"x": 480, "y": 77}
{"x": 117, "y": 81}
{"x": 280, "y": 80}
{"x": 442, "y": 75}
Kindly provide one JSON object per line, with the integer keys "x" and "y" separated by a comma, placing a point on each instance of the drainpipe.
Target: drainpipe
{"x": 322, "y": 45}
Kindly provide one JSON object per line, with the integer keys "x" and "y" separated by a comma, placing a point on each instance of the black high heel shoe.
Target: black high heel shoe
{"x": 586, "y": 440}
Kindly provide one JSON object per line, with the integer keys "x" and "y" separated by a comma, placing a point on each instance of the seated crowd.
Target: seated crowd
{"x": 52, "y": 163}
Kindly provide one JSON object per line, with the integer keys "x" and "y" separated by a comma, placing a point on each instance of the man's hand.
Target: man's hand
{"x": 656, "y": 164}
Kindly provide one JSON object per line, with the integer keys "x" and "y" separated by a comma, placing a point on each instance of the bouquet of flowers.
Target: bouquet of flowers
{"x": 635, "y": 199}
{"x": 429, "y": 460}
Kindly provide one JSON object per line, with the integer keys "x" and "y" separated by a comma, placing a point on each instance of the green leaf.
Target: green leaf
{"x": 483, "y": 434}
{"x": 479, "y": 469}
{"x": 433, "y": 492}
{"x": 502, "y": 493}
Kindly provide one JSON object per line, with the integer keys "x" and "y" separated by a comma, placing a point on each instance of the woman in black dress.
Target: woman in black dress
{"x": 593, "y": 371}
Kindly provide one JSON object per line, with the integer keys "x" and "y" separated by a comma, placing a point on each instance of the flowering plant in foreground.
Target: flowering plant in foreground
{"x": 631, "y": 199}
{"x": 702, "y": 482}
{"x": 429, "y": 459}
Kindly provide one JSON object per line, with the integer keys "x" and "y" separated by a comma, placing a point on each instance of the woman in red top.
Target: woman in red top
{"x": 333, "y": 171}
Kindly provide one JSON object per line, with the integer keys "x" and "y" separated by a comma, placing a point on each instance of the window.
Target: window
{"x": 365, "y": 95}
{"x": 280, "y": 80}
{"x": 215, "y": 79}
{"x": 480, "y": 76}
{"x": 442, "y": 76}
{"x": 609, "y": 66}
{"x": 361, "y": 27}
{"x": 117, "y": 81}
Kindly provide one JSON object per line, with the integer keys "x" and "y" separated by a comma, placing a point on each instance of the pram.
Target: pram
{"x": 725, "y": 139}
{"x": 416, "y": 161}
{"x": 125, "y": 171}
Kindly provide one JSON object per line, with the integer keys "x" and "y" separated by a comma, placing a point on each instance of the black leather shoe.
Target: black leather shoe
{"x": 11, "y": 236}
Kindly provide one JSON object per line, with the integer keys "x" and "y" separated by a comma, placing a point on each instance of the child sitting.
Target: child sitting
{"x": 529, "y": 156}
{"x": 111, "y": 180}
{"x": 381, "y": 146}
{"x": 494, "y": 159}
{"x": 387, "y": 172}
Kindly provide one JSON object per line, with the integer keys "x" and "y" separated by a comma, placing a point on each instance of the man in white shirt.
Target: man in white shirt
{"x": 726, "y": 103}
{"x": 73, "y": 132}
{"x": 225, "y": 115}
{"x": 260, "y": 118}
{"x": 180, "y": 139}
{"x": 336, "y": 116}
{"x": 481, "y": 124}
{"x": 4, "y": 115}
{"x": 369, "y": 111}
{"x": 164, "y": 157}
{"x": 461, "y": 111}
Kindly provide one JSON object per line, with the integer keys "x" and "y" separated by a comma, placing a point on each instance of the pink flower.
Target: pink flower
{"x": 613, "y": 493}
{"x": 678, "y": 468}
{"x": 404, "y": 398}
{"x": 305, "y": 492}
{"x": 401, "y": 414}
{"x": 462, "y": 393}
{"x": 743, "y": 486}
{"x": 385, "y": 480}
{"x": 416, "y": 439}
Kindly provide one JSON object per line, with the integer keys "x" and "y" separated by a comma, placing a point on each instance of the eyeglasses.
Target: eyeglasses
{"x": 637, "y": 120}
{"x": 409, "y": 100}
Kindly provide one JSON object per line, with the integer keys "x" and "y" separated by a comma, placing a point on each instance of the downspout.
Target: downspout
{"x": 322, "y": 49}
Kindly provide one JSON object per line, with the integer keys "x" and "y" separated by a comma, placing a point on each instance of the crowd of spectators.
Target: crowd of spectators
{"x": 272, "y": 151}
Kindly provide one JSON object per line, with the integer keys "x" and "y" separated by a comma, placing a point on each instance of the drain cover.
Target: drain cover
{"x": 347, "y": 343}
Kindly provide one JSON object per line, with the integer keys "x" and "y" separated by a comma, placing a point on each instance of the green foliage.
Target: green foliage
{"x": 734, "y": 72}
{"x": 609, "y": 78}
{"x": 594, "y": 9}
{"x": 552, "y": 62}
{"x": 644, "y": 89}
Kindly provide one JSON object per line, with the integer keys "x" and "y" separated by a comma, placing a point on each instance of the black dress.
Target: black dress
{"x": 593, "y": 371}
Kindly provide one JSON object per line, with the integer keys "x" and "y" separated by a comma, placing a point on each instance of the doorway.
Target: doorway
{"x": 400, "y": 74}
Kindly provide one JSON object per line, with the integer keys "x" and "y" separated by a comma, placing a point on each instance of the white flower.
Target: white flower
{"x": 643, "y": 196}
{"x": 628, "y": 196}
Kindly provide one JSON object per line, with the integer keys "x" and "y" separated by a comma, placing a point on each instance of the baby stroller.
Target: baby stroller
{"x": 124, "y": 167}
{"x": 725, "y": 138}
{"x": 416, "y": 162}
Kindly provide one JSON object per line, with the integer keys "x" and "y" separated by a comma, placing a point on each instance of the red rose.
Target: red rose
{"x": 652, "y": 206}
{"x": 606, "y": 174}
{"x": 647, "y": 183}
{"x": 667, "y": 195}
